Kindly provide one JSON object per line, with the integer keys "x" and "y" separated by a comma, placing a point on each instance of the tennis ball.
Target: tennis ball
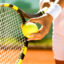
{"x": 29, "y": 28}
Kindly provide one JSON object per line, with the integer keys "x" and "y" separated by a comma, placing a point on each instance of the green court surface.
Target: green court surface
{"x": 45, "y": 43}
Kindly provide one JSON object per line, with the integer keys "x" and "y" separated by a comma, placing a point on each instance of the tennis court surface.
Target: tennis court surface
{"x": 39, "y": 57}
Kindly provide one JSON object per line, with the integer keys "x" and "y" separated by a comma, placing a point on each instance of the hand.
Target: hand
{"x": 45, "y": 21}
{"x": 46, "y": 3}
{"x": 61, "y": 3}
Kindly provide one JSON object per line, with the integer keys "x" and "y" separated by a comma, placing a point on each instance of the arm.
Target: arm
{"x": 61, "y": 3}
{"x": 45, "y": 21}
{"x": 42, "y": 5}
{"x": 47, "y": 4}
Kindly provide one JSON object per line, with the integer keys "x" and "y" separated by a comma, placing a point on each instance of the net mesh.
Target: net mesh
{"x": 10, "y": 35}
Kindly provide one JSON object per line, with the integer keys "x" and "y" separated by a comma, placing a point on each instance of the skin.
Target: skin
{"x": 61, "y": 3}
{"x": 45, "y": 21}
{"x": 52, "y": 0}
{"x": 59, "y": 62}
{"x": 41, "y": 6}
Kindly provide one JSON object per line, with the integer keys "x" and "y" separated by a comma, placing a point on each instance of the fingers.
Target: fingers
{"x": 39, "y": 35}
{"x": 36, "y": 20}
{"x": 44, "y": 4}
{"x": 52, "y": 0}
{"x": 47, "y": 4}
{"x": 36, "y": 36}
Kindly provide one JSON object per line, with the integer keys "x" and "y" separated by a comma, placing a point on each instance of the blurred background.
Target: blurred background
{"x": 32, "y": 7}
{"x": 39, "y": 52}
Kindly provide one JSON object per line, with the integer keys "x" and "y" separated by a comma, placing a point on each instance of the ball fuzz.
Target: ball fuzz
{"x": 29, "y": 28}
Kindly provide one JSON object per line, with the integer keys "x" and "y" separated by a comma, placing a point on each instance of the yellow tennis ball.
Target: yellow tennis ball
{"x": 29, "y": 28}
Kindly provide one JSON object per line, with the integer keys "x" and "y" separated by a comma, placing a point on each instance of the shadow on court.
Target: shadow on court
{"x": 39, "y": 57}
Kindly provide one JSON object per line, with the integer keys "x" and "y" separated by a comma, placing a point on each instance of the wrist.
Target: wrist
{"x": 54, "y": 10}
{"x": 47, "y": 17}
